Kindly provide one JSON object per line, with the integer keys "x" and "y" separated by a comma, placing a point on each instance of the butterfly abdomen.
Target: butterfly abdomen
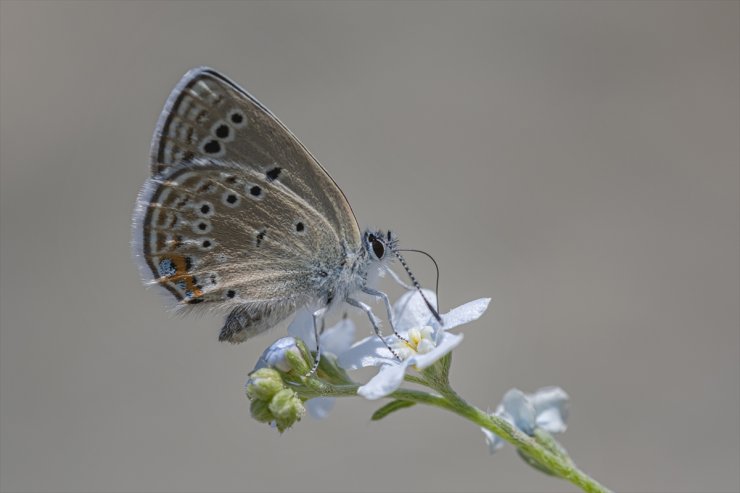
{"x": 248, "y": 320}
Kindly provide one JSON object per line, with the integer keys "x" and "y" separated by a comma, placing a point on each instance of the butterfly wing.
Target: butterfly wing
{"x": 238, "y": 214}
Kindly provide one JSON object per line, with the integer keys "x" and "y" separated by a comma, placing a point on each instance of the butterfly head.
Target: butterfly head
{"x": 379, "y": 245}
{"x": 383, "y": 247}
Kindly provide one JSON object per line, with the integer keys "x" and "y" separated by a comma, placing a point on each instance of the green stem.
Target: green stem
{"x": 321, "y": 389}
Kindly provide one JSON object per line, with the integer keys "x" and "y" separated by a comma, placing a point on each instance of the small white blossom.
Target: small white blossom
{"x": 334, "y": 341}
{"x": 546, "y": 408}
{"x": 426, "y": 341}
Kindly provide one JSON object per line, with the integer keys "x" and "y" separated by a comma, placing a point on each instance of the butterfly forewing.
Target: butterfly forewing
{"x": 209, "y": 116}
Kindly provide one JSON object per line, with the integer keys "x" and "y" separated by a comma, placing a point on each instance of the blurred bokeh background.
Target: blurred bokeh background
{"x": 578, "y": 162}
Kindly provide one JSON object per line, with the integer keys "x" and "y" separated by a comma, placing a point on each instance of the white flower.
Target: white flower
{"x": 546, "y": 408}
{"x": 334, "y": 341}
{"x": 426, "y": 342}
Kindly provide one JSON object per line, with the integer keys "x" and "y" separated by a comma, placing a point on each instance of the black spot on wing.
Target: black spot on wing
{"x": 260, "y": 236}
{"x": 222, "y": 131}
{"x": 212, "y": 147}
{"x": 273, "y": 174}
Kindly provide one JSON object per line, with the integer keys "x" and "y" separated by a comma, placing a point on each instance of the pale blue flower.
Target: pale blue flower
{"x": 426, "y": 342}
{"x": 546, "y": 408}
{"x": 334, "y": 341}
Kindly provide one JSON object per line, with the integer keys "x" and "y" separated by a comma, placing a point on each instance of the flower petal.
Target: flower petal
{"x": 320, "y": 407}
{"x": 447, "y": 343}
{"x": 411, "y": 311}
{"x": 338, "y": 338}
{"x": 465, "y": 313}
{"x": 370, "y": 351}
{"x": 550, "y": 406}
{"x": 302, "y": 328}
{"x": 493, "y": 441}
{"x": 274, "y": 355}
{"x": 335, "y": 339}
{"x": 388, "y": 379}
{"x": 520, "y": 409}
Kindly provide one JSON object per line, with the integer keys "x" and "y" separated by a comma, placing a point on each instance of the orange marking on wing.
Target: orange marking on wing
{"x": 181, "y": 274}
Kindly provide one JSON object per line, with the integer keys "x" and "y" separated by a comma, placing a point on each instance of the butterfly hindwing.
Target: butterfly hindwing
{"x": 222, "y": 234}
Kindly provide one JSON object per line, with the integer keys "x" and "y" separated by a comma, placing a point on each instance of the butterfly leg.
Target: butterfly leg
{"x": 318, "y": 329}
{"x": 388, "y": 308}
{"x": 374, "y": 321}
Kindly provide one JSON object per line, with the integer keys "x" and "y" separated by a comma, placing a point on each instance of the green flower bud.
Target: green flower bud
{"x": 287, "y": 409}
{"x": 260, "y": 411}
{"x": 263, "y": 384}
{"x": 297, "y": 359}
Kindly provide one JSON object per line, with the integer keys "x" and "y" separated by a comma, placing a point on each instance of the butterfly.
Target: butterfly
{"x": 239, "y": 216}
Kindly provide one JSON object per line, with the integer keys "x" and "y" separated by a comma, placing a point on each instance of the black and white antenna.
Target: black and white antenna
{"x": 416, "y": 284}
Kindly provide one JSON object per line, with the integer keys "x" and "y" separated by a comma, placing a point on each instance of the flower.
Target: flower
{"x": 424, "y": 342}
{"x": 334, "y": 341}
{"x": 546, "y": 408}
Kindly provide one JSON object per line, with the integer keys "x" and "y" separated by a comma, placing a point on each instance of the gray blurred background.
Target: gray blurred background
{"x": 576, "y": 162}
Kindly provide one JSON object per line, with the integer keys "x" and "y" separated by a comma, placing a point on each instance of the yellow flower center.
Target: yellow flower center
{"x": 419, "y": 341}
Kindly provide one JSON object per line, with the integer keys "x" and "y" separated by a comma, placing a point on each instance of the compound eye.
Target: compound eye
{"x": 378, "y": 248}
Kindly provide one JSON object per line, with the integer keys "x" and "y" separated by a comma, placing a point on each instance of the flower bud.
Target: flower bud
{"x": 260, "y": 411}
{"x": 299, "y": 359}
{"x": 263, "y": 384}
{"x": 285, "y": 355}
{"x": 287, "y": 409}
